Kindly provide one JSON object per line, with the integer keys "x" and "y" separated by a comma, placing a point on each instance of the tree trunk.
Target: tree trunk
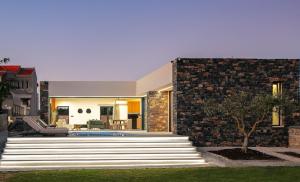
{"x": 245, "y": 144}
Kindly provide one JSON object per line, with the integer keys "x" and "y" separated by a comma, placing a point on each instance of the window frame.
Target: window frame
{"x": 57, "y": 108}
{"x": 277, "y": 110}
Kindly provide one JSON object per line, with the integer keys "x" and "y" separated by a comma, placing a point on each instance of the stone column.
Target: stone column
{"x": 44, "y": 101}
{"x": 157, "y": 111}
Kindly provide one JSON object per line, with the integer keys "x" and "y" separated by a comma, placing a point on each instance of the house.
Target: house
{"x": 170, "y": 99}
{"x": 23, "y": 98}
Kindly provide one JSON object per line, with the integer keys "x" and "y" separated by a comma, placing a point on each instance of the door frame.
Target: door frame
{"x": 106, "y": 105}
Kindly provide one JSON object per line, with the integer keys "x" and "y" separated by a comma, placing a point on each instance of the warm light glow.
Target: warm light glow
{"x": 123, "y": 112}
{"x": 166, "y": 89}
{"x": 277, "y": 89}
{"x": 121, "y": 102}
{"x": 276, "y": 115}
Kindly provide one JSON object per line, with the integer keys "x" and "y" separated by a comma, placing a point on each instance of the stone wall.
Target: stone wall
{"x": 294, "y": 137}
{"x": 195, "y": 80}
{"x": 145, "y": 116}
{"x": 3, "y": 131}
{"x": 3, "y": 122}
{"x": 44, "y": 101}
{"x": 157, "y": 111}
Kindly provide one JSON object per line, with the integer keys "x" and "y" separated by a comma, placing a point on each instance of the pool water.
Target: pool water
{"x": 98, "y": 133}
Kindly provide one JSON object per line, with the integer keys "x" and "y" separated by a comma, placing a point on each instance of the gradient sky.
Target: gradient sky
{"x": 125, "y": 39}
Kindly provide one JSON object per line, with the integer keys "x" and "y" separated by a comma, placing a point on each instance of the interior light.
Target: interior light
{"x": 121, "y": 102}
{"x": 165, "y": 89}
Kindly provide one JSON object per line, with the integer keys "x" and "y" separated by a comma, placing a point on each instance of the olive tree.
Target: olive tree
{"x": 248, "y": 110}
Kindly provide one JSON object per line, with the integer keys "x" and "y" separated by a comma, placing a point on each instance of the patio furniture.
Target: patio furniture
{"x": 129, "y": 124}
{"x": 119, "y": 124}
{"x": 62, "y": 123}
{"x": 80, "y": 127}
{"x": 95, "y": 124}
{"x": 32, "y": 121}
{"x": 76, "y": 126}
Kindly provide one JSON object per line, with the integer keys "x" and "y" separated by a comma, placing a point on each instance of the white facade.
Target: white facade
{"x": 93, "y": 94}
{"x": 155, "y": 80}
{"x": 158, "y": 79}
{"x": 84, "y": 103}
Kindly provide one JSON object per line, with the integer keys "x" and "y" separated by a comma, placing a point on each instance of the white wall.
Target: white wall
{"x": 92, "y": 88}
{"x": 83, "y": 103}
{"x": 157, "y": 79}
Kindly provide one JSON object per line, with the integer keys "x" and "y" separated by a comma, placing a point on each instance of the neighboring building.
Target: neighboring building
{"x": 23, "y": 99}
{"x": 170, "y": 99}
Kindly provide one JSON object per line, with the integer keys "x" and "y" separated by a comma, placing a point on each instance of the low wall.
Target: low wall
{"x": 294, "y": 136}
{"x": 3, "y": 130}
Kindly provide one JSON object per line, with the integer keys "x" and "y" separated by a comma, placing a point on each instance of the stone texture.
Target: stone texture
{"x": 157, "y": 111}
{"x": 195, "y": 80}
{"x": 44, "y": 101}
{"x": 3, "y": 122}
{"x": 294, "y": 137}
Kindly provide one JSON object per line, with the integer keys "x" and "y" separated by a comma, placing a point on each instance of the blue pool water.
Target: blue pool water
{"x": 99, "y": 133}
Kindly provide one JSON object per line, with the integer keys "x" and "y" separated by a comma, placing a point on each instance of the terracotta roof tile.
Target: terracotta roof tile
{"x": 26, "y": 71}
{"x": 10, "y": 68}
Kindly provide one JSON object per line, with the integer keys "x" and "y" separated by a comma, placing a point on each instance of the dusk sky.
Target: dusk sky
{"x": 126, "y": 39}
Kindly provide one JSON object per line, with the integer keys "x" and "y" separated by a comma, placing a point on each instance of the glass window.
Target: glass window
{"x": 106, "y": 110}
{"x": 277, "y": 89}
{"x": 276, "y": 113}
{"x": 63, "y": 110}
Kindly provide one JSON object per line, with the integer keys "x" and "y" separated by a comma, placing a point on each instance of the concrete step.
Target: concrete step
{"x": 79, "y": 163}
{"x": 7, "y": 157}
{"x": 98, "y": 166}
{"x": 100, "y": 150}
{"x": 96, "y": 139}
{"x": 94, "y": 145}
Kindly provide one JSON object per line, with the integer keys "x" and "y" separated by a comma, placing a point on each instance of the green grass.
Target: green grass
{"x": 256, "y": 174}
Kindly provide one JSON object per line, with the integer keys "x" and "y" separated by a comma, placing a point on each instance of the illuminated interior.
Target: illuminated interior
{"x": 276, "y": 114}
{"x": 97, "y": 113}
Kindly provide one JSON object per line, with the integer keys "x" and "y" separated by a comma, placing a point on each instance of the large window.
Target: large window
{"x": 63, "y": 110}
{"x": 106, "y": 110}
{"x": 277, "y": 119}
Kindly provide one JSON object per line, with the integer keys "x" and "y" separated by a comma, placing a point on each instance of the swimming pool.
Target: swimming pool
{"x": 99, "y": 133}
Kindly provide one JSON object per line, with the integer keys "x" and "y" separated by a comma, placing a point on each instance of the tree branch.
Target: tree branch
{"x": 256, "y": 123}
{"x": 238, "y": 122}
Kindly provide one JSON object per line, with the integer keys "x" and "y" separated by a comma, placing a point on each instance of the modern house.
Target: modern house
{"x": 170, "y": 99}
{"x": 23, "y": 98}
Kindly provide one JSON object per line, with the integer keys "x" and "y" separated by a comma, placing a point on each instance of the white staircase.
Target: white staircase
{"x": 98, "y": 152}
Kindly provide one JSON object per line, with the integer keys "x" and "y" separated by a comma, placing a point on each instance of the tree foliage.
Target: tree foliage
{"x": 4, "y": 92}
{"x": 4, "y": 85}
{"x": 248, "y": 110}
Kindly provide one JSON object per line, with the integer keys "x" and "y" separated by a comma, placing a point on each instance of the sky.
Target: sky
{"x": 126, "y": 39}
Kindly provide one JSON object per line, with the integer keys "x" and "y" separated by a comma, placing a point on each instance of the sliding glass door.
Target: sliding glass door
{"x": 106, "y": 115}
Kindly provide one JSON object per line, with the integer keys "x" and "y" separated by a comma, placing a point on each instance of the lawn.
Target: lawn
{"x": 257, "y": 174}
